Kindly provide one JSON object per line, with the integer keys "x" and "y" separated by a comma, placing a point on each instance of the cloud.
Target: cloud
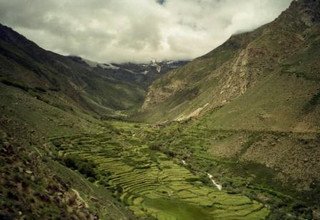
{"x": 161, "y": 2}
{"x": 135, "y": 30}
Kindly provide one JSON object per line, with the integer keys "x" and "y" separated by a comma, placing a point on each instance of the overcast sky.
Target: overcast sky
{"x": 135, "y": 30}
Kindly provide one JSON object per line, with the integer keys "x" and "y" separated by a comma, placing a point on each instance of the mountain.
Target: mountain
{"x": 100, "y": 89}
{"x": 142, "y": 74}
{"x": 264, "y": 79}
{"x": 44, "y": 95}
{"x": 251, "y": 105}
{"x": 233, "y": 134}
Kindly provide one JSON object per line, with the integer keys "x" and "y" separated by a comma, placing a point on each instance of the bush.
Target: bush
{"x": 192, "y": 179}
{"x": 171, "y": 153}
{"x": 57, "y": 144}
{"x": 69, "y": 162}
{"x": 84, "y": 166}
{"x": 205, "y": 179}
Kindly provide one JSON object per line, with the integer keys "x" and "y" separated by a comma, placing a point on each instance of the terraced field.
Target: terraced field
{"x": 150, "y": 183}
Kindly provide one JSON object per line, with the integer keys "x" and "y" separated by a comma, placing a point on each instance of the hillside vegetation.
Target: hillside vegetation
{"x": 251, "y": 105}
{"x": 265, "y": 79}
{"x": 233, "y": 134}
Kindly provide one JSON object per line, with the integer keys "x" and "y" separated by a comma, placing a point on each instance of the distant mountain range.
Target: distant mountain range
{"x": 233, "y": 134}
{"x": 101, "y": 89}
{"x": 141, "y": 73}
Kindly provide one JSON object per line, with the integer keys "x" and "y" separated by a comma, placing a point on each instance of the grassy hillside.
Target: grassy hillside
{"x": 262, "y": 81}
{"x": 93, "y": 168}
{"x": 233, "y": 134}
{"x": 26, "y": 66}
{"x": 46, "y": 96}
{"x": 279, "y": 169}
{"x": 147, "y": 181}
{"x": 250, "y": 108}
{"x": 33, "y": 185}
{"x": 266, "y": 77}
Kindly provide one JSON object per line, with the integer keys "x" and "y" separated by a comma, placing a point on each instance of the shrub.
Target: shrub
{"x": 57, "y": 144}
{"x": 312, "y": 103}
{"x": 84, "y": 166}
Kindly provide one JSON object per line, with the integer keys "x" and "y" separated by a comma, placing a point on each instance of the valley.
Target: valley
{"x": 233, "y": 134}
{"x": 147, "y": 167}
{"x": 152, "y": 168}
{"x": 148, "y": 181}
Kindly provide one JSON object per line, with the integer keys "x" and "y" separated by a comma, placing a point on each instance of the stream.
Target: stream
{"x": 214, "y": 182}
{"x": 219, "y": 187}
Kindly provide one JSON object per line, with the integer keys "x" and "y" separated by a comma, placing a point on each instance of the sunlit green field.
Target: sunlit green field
{"x": 150, "y": 183}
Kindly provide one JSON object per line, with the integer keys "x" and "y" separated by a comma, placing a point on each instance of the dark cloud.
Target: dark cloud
{"x": 161, "y": 2}
{"x": 135, "y": 30}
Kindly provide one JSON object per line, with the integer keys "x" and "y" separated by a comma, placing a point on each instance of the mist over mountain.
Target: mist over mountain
{"x": 101, "y": 88}
{"x": 231, "y": 134}
{"x": 136, "y": 31}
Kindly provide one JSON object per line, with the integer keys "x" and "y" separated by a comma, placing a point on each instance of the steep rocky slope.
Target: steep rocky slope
{"x": 242, "y": 118}
{"x": 265, "y": 79}
{"x": 98, "y": 89}
{"x": 251, "y": 105}
{"x": 45, "y": 95}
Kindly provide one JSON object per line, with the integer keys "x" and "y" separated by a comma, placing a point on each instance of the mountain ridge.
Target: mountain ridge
{"x": 264, "y": 84}
{"x": 228, "y": 72}
{"x": 100, "y": 91}
{"x": 233, "y": 134}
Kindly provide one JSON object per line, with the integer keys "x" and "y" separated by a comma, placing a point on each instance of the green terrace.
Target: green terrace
{"x": 149, "y": 182}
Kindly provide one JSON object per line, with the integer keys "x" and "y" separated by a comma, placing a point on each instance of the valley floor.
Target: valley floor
{"x": 149, "y": 182}
{"x": 168, "y": 172}
{"x": 66, "y": 163}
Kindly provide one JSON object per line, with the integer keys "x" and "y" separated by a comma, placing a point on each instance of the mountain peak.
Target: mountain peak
{"x": 307, "y": 10}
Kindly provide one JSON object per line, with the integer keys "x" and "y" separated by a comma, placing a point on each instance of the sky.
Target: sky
{"x": 135, "y": 30}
